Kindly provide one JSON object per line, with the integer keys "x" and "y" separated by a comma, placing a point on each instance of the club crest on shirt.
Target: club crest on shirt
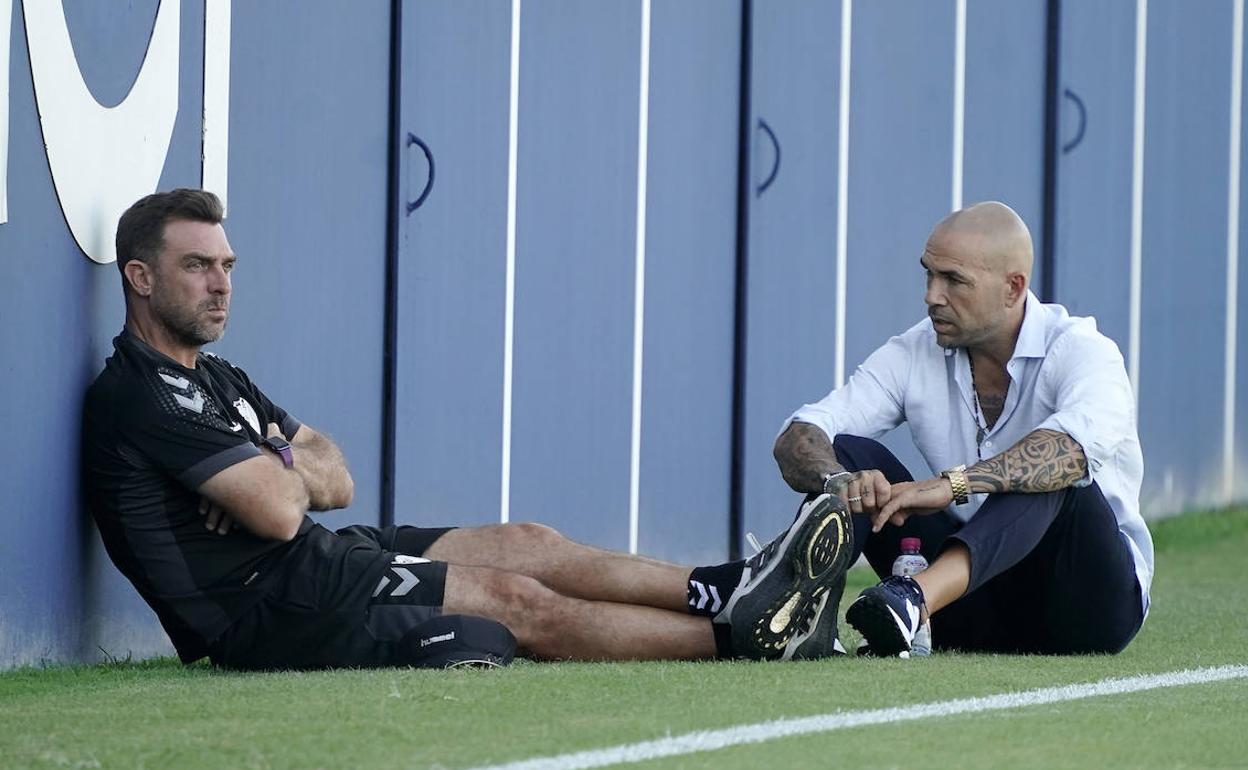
{"x": 244, "y": 409}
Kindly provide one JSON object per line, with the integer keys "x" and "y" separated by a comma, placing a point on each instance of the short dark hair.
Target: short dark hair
{"x": 141, "y": 230}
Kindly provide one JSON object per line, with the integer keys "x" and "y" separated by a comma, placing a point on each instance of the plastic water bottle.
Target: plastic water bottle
{"x": 911, "y": 563}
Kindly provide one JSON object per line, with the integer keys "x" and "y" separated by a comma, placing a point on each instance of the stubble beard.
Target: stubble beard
{"x": 187, "y": 326}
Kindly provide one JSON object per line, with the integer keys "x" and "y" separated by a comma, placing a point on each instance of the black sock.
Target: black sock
{"x": 710, "y": 587}
{"x": 723, "y": 641}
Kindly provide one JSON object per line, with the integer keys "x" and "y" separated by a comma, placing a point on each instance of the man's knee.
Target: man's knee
{"x": 531, "y": 610}
{"x": 531, "y": 536}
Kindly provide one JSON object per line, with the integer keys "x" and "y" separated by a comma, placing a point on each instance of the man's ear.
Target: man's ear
{"x": 139, "y": 275}
{"x": 1015, "y": 288}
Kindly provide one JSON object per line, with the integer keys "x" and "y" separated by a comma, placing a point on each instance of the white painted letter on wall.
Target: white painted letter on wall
{"x": 102, "y": 158}
{"x": 6, "y": 22}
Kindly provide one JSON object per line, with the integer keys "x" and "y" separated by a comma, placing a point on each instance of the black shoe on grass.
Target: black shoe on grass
{"x": 786, "y": 585}
{"x": 819, "y": 637}
{"x": 888, "y": 616}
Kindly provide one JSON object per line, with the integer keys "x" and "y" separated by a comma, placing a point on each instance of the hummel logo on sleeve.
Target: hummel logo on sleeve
{"x": 181, "y": 383}
{"x": 410, "y": 581}
{"x": 196, "y": 404}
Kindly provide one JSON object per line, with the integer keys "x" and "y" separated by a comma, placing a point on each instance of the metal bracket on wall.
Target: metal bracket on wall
{"x": 1083, "y": 121}
{"x": 775, "y": 169}
{"x": 420, "y": 199}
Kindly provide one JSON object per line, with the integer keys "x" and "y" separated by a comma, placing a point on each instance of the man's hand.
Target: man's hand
{"x": 319, "y": 462}
{"x": 215, "y": 517}
{"x": 867, "y": 492}
{"x": 913, "y": 497}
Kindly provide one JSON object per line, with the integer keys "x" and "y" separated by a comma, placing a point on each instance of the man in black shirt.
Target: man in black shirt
{"x": 200, "y": 486}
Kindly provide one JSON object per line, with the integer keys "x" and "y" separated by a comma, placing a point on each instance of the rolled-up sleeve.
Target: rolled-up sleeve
{"x": 870, "y": 403}
{"x": 1092, "y": 397}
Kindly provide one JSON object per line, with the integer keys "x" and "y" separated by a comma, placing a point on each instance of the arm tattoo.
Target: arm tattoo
{"x": 804, "y": 454}
{"x": 1044, "y": 461}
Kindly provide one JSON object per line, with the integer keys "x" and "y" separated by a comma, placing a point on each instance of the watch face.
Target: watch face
{"x": 282, "y": 447}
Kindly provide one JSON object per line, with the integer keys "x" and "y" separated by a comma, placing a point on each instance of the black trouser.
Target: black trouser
{"x": 1050, "y": 573}
{"x": 348, "y": 598}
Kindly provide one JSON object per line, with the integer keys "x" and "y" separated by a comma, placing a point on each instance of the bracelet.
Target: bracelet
{"x": 831, "y": 480}
{"x": 957, "y": 480}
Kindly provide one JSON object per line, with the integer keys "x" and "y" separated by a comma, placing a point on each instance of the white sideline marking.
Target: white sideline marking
{"x": 709, "y": 740}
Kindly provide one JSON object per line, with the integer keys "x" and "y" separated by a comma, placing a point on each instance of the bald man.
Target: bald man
{"x": 1026, "y": 418}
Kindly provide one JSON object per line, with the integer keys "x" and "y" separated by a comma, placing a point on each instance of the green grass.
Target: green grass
{"x": 160, "y": 714}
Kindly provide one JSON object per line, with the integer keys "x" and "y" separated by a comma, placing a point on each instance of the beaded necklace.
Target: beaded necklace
{"x": 981, "y": 428}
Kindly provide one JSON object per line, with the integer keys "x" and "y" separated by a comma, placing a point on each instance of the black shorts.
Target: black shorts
{"x": 344, "y": 599}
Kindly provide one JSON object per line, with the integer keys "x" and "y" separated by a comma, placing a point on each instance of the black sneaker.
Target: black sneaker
{"x": 920, "y": 645}
{"x": 785, "y": 586}
{"x": 818, "y": 636}
{"x": 888, "y": 616}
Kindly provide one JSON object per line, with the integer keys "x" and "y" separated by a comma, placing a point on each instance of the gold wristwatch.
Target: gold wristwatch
{"x": 957, "y": 480}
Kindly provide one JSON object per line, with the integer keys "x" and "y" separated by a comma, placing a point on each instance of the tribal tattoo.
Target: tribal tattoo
{"x": 804, "y": 454}
{"x": 1044, "y": 461}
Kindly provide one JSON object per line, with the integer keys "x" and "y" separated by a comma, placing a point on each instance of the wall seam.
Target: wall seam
{"x": 509, "y": 301}
{"x": 639, "y": 279}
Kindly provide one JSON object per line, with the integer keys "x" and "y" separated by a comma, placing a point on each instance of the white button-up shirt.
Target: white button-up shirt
{"x": 1064, "y": 376}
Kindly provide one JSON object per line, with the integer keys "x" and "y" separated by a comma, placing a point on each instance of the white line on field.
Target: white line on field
{"x": 709, "y": 740}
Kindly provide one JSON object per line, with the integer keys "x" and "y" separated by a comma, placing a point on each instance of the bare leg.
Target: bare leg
{"x": 946, "y": 580}
{"x": 572, "y": 569}
{"x": 552, "y": 626}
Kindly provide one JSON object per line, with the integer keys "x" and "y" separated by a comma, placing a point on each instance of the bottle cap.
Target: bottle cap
{"x": 912, "y": 544}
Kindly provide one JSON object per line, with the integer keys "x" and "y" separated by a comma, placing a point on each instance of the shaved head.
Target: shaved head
{"x": 978, "y": 264}
{"x": 992, "y": 234}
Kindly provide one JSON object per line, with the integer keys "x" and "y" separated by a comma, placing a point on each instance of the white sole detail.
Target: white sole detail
{"x": 906, "y": 636}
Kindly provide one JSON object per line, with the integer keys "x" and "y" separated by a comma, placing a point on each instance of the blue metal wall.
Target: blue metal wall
{"x": 310, "y": 152}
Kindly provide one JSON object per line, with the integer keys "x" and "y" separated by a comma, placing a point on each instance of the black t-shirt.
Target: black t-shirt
{"x": 153, "y": 431}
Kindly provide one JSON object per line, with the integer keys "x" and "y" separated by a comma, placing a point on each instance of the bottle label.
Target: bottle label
{"x": 909, "y": 564}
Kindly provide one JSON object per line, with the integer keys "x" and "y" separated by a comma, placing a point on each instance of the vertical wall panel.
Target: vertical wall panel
{"x": 575, "y": 233}
{"x": 686, "y": 429}
{"x": 307, "y": 220}
{"x": 1004, "y": 128}
{"x": 115, "y": 620}
{"x": 791, "y": 281}
{"x": 900, "y": 171}
{"x": 310, "y": 100}
{"x": 1093, "y": 232}
{"x": 1184, "y": 258}
{"x": 309, "y": 148}
{"x": 49, "y": 615}
{"x": 1239, "y": 488}
{"x": 452, "y": 262}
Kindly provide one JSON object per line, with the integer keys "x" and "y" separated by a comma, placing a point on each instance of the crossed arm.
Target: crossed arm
{"x": 1042, "y": 461}
{"x": 270, "y": 500}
